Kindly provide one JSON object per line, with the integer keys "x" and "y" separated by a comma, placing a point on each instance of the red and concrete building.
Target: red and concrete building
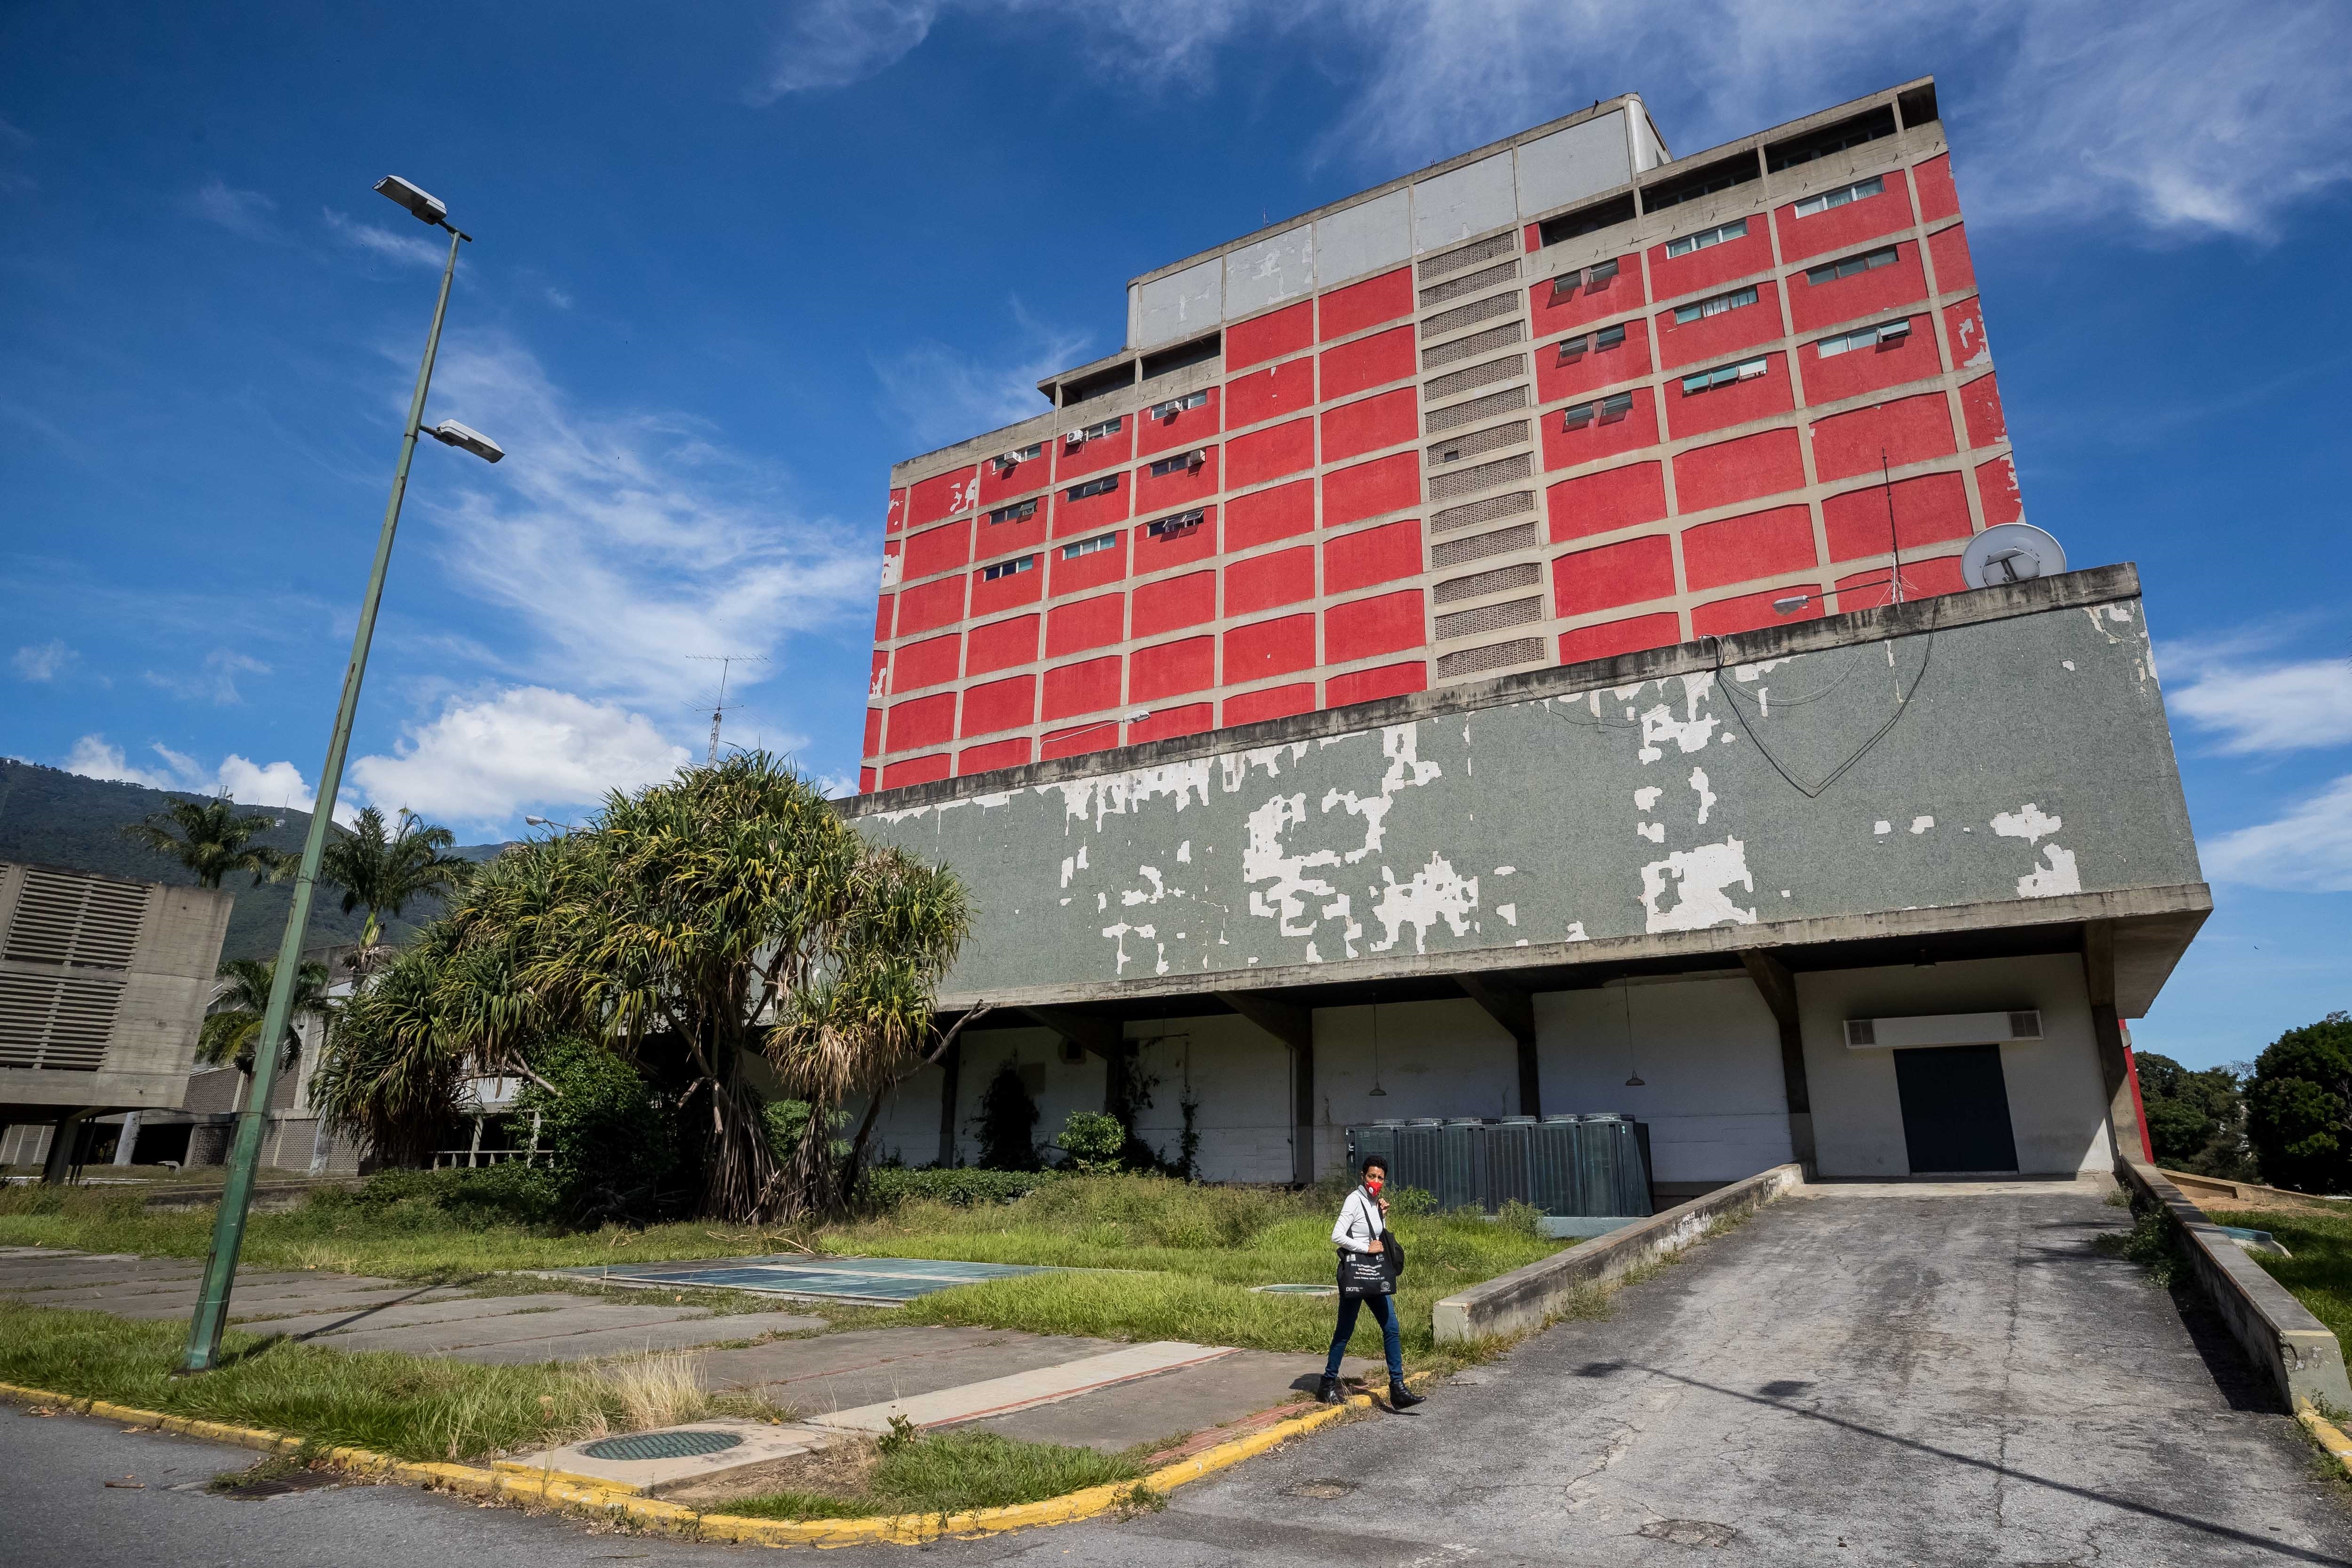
{"x": 1559, "y": 398}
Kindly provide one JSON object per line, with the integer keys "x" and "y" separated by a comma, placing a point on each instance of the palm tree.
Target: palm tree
{"x": 232, "y": 1026}
{"x": 211, "y": 839}
{"x": 385, "y": 869}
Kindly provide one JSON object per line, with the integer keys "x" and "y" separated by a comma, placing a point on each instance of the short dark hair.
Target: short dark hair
{"x": 1371, "y": 1161}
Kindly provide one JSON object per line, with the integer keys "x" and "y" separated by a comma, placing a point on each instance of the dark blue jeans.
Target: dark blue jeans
{"x": 1386, "y": 1316}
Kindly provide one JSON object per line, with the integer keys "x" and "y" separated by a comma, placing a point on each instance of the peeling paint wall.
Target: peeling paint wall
{"x": 2007, "y": 759}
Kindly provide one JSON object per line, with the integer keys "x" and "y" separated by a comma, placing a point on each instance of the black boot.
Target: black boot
{"x": 1327, "y": 1392}
{"x": 1400, "y": 1397}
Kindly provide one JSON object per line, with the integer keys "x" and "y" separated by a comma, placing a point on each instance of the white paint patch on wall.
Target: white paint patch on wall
{"x": 1701, "y": 880}
{"x": 1437, "y": 892}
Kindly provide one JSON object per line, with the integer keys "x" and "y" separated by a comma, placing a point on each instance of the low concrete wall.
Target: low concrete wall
{"x": 1525, "y": 1298}
{"x": 2277, "y": 1331}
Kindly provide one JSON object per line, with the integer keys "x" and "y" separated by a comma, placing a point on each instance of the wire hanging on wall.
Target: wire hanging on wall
{"x": 1378, "y": 1093}
{"x": 1633, "y": 1079}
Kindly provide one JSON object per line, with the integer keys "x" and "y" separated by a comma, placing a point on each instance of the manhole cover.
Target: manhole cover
{"x": 661, "y": 1446}
{"x": 1295, "y": 1289}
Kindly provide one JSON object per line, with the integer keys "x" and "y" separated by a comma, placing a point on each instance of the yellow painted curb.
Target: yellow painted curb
{"x": 511, "y": 1478}
{"x": 2338, "y": 1447}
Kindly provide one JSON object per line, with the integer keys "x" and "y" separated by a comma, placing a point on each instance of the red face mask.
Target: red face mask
{"x": 1373, "y": 1184}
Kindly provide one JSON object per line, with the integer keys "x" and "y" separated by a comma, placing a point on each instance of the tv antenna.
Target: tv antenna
{"x": 724, "y": 661}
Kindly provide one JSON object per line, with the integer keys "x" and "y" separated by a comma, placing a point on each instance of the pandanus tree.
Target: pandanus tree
{"x": 232, "y": 1028}
{"x": 213, "y": 839}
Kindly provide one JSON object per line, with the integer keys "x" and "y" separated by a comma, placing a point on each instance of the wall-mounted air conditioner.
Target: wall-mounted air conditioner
{"x": 1942, "y": 1030}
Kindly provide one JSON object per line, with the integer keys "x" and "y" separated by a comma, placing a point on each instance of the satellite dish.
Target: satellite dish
{"x": 2011, "y": 552}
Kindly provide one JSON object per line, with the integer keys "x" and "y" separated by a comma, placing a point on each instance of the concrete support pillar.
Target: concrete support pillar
{"x": 2106, "y": 1031}
{"x": 63, "y": 1137}
{"x": 1294, "y": 1026}
{"x": 1516, "y": 1011}
{"x": 950, "y": 1088}
{"x": 129, "y": 1141}
{"x": 1778, "y": 989}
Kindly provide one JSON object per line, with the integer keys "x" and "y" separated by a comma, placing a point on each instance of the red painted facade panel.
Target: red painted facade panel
{"x": 994, "y": 540}
{"x": 1091, "y": 514}
{"x": 1856, "y": 372}
{"x": 867, "y": 780}
{"x": 1001, "y": 645}
{"x": 895, "y": 518}
{"x": 994, "y": 705}
{"x": 1997, "y": 490}
{"x": 1610, "y": 500}
{"x": 1086, "y": 687}
{"x": 999, "y": 485}
{"x": 1813, "y": 306}
{"x": 1802, "y": 238}
{"x": 1748, "y": 611}
{"x": 1948, "y": 249}
{"x": 1278, "y": 513}
{"x": 1089, "y": 570}
{"x": 1367, "y": 363}
{"x": 1097, "y": 735}
{"x": 1270, "y": 394}
{"x": 1387, "y": 623}
{"x": 1723, "y": 334}
{"x": 1926, "y": 510}
{"x": 1020, "y": 588}
{"x": 873, "y": 732}
{"x": 915, "y": 771}
{"x": 1174, "y": 604}
{"x": 925, "y": 721}
{"x": 1980, "y": 407}
{"x": 1268, "y": 581}
{"x": 1274, "y": 703}
{"x": 1173, "y": 669}
{"x": 883, "y": 608}
{"x": 1185, "y": 427}
{"x": 1367, "y": 304}
{"x": 927, "y": 663}
{"x": 1565, "y": 447}
{"x": 1613, "y": 575}
{"x": 1672, "y": 276}
{"x": 1269, "y": 647}
{"x": 1595, "y": 369}
{"x": 995, "y": 754}
{"x": 1384, "y": 484}
{"x": 1907, "y": 431}
{"x": 1921, "y": 580}
{"x": 877, "y": 680}
{"x": 1372, "y": 555}
{"x": 1586, "y": 305}
{"x": 1092, "y": 457}
{"x": 1354, "y": 428}
{"x": 1733, "y": 403}
{"x": 1269, "y": 336}
{"x": 1742, "y": 549}
{"x": 929, "y": 605}
{"x": 1759, "y": 465}
{"x": 1939, "y": 197}
{"x": 1964, "y": 334}
{"x": 1087, "y": 624}
{"x": 1191, "y": 719}
{"x": 1180, "y": 486}
{"x": 938, "y": 550}
{"x": 943, "y": 495}
{"x": 1269, "y": 454}
{"x": 1372, "y": 685}
{"x": 1610, "y": 638}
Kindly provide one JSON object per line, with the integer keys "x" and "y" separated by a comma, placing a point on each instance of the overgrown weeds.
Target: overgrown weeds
{"x": 950, "y": 1472}
{"x": 2151, "y": 1242}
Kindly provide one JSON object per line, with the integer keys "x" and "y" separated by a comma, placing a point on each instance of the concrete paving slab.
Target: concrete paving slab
{"x": 1170, "y": 1404}
{"x": 247, "y": 1296}
{"x": 756, "y": 1443}
{"x": 865, "y": 1366}
{"x": 874, "y": 1281}
{"x": 436, "y": 1339}
{"x": 120, "y": 1277}
{"x": 1022, "y": 1390}
{"x": 404, "y": 1314}
{"x": 609, "y": 1342}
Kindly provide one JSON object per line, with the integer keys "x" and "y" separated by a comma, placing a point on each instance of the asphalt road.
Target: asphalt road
{"x": 1845, "y": 1379}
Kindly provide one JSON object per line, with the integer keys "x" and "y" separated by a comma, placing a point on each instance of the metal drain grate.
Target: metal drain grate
{"x": 662, "y": 1446}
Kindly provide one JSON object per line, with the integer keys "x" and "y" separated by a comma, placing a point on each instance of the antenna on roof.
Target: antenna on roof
{"x": 723, "y": 660}
{"x": 2011, "y": 552}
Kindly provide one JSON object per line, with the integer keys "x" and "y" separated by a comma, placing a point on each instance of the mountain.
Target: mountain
{"x": 50, "y": 817}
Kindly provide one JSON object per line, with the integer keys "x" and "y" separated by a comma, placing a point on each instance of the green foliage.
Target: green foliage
{"x": 950, "y": 1472}
{"x": 387, "y": 868}
{"x": 788, "y": 1128}
{"x": 1405, "y": 1202}
{"x": 2195, "y": 1119}
{"x": 1519, "y": 1216}
{"x": 1092, "y": 1140}
{"x": 390, "y": 1074}
{"x": 232, "y": 1029}
{"x": 888, "y": 1186}
{"x": 2299, "y": 1107}
{"x": 610, "y": 1141}
{"x": 2320, "y": 1272}
{"x": 213, "y": 839}
{"x": 2152, "y": 1242}
{"x": 1007, "y": 1123}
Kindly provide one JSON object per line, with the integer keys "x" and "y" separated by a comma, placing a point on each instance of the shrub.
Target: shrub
{"x": 887, "y": 1186}
{"x": 2195, "y": 1119}
{"x": 610, "y": 1142}
{"x": 2299, "y": 1107}
{"x": 1007, "y": 1123}
{"x": 788, "y": 1127}
{"x": 1093, "y": 1139}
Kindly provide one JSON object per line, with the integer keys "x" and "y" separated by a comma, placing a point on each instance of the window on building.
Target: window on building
{"x": 1020, "y": 455}
{"x": 1861, "y": 190}
{"x": 1616, "y": 405}
{"x": 1586, "y": 220}
{"x": 1181, "y": 460}
{"x": 1723, "y": 375}
{"x": 1863, "y": 338}
{"x": 1101, "y": 487}
{"x": 1568, "y": 283}
{"x": 1675, "y": 189}
{"x": 1175, "y": 405}
{"x": 1007, "y": 568}
{"x": 1865, "y": 127}
{"x": 1735, "y": 229}
{"x": 1110, "y": 427}
{"x": 1831, "y": 271}
{"x": 1200, "y": 351}
{"x": 1089, "y": 546}
{"x": 1606, "y": 338}
{"x": 1019, "y": 511}
{"x": 1606, "y": 410}
{"x": 1685, "y": 314}
{"x": 1176, "y": 527}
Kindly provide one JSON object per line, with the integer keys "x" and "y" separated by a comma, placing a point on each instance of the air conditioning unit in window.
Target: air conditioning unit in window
{"x": 1893, "y": 330}
{"x": 1196, "y": 459}
{"x": 1074, "y": 437}
{"x": 1944, "y": 1029}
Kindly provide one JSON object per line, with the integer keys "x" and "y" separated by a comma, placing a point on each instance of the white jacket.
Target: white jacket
{"x": 1360, "y": 1222}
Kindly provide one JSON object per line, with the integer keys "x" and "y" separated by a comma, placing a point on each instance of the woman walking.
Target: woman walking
{"x": 1369, "y": 1262}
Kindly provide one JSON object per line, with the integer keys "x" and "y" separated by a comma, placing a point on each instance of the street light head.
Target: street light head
{"x": 1791, "y": 604}
{"x": 449, "y": 433}
{"x": 428, "y": 208}
{"x": 538, "y": 822}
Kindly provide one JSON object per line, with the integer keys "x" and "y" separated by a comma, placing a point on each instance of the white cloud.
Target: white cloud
{"x": 483, "y": 761}
{"x": 213, "y": 681}
{"x": 242, "y": 212}
{"x": 942, "y": 394}
{"x": 2308, "y": 850}
{"x": 411, "y": 248}
{"x": 244, "y": 781}
{"x": 2180, "y": 114}
{"x": 43, "y": 661}
{"x": 92, "y": 758}
{"x": 2301, "y": 706}
{"x": 557, "y": 297}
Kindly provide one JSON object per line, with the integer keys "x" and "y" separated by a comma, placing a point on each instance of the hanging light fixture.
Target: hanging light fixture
{"x": 1378, "y": 1093}
{"x": 1635, "y": 1078}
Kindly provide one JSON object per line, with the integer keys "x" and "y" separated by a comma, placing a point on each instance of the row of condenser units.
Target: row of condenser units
{"x": 1590, "y": 1165}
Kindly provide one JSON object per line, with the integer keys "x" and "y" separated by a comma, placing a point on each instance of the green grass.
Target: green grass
{"x": 2320, "y": 1272}
{"x": 948, "y": 1474}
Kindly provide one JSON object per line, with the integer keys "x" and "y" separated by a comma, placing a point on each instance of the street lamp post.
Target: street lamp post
{"x": 245, "y": 1154}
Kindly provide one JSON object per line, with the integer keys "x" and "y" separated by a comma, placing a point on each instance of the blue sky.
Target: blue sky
{"x": 735, "y": 261}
